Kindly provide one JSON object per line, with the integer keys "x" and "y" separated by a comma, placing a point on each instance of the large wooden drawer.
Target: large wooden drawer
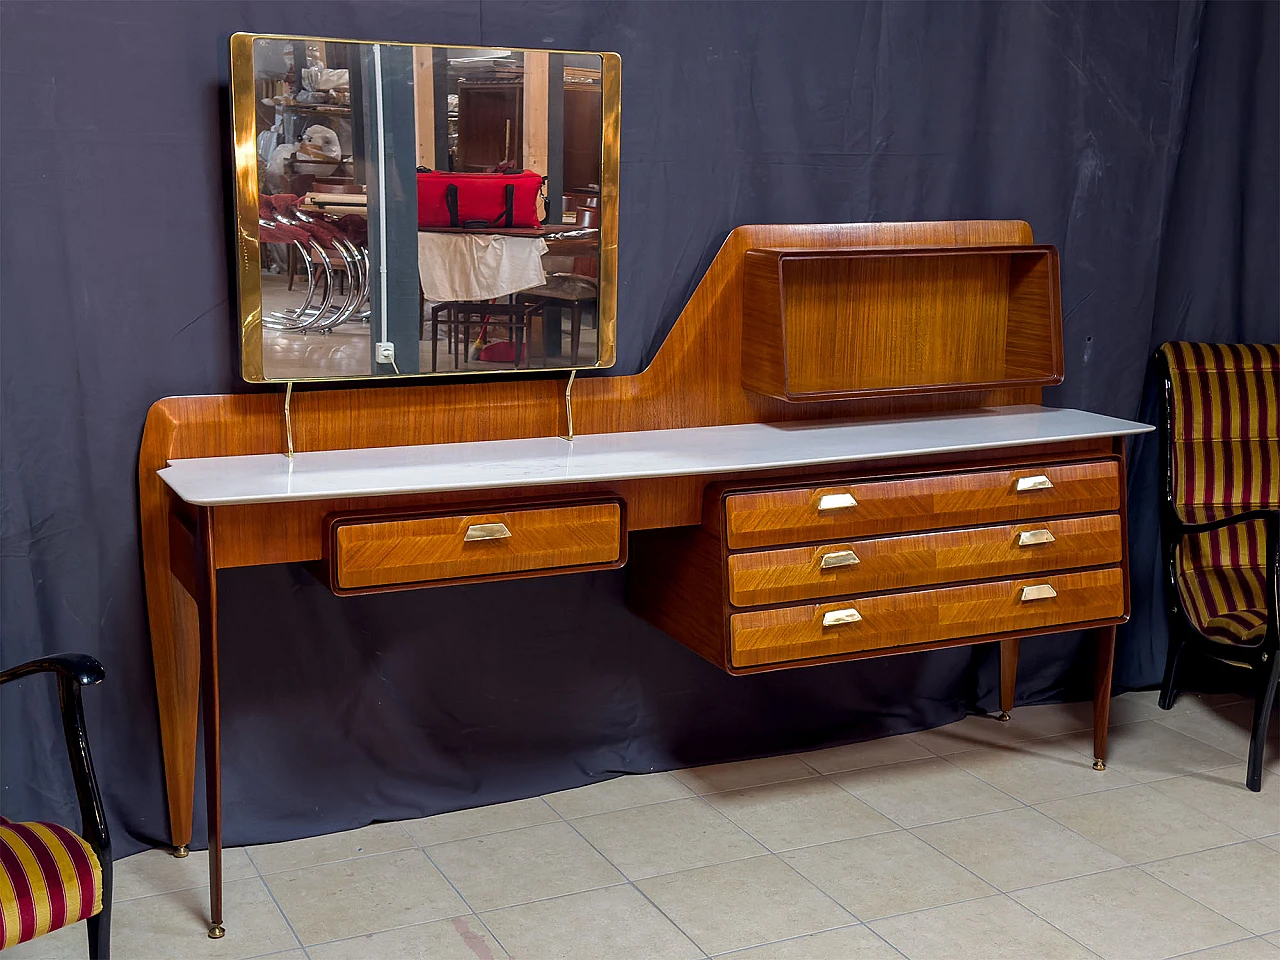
{"x": 379, "y": 553}
{"x": 866, "y": 508}
{"x": 852, "y": 625}
{"x": 912, "y": 560}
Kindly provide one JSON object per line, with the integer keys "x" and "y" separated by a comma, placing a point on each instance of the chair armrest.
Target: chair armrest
{"x": 1269, "y": 517}
{"x": 76, "y": 670}
{"x": 83, "y": 669}
{"x": 1271, "y": 528}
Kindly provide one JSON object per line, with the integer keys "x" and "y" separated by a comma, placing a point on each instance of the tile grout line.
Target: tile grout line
{"x": 801, "y": 936}
{"x": 631, "y": 883}
{"x": 1140, "y": 867}
{"x": 1193, "y": 953}
{"x": 272, "y": 894}
{"x": 972, "y": 873}
{"x": 818, "y": 775}
{"x": 465, "y": 902}
{"x": 1143, "y": 866}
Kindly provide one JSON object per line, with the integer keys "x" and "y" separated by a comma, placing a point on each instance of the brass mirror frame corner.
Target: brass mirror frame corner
{"x": 248, "y": 252}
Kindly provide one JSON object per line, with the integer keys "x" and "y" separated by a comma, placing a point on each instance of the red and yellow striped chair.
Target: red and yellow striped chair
{"x": 51, "y": 877}
{"x": 1221, "y": 463}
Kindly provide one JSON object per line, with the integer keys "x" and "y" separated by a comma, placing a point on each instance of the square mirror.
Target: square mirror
{"x": 420, "y": 210}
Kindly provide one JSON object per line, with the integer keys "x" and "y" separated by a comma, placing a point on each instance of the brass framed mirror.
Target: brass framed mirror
{"x": 413, "y": 210}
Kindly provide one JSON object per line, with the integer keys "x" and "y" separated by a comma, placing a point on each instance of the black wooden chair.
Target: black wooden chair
{"x": 55, "y": 876}
{"x": 1220, "y": 515}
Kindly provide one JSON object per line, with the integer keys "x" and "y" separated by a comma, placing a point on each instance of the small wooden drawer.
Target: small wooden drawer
{"x": 894, "y": 563}
{"x": 867, "y": 508}
{"x": 370, "y": 554}
{"x": 857, "y": 624}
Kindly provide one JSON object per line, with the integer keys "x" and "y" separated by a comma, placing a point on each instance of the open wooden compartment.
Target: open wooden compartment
{"x": 835, "y": 324}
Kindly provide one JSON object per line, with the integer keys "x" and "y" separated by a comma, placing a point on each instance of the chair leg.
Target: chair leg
{"x": 99, "y": 925}
{"x": 1177, "y": 643}
{"x": 575, "y": 329}
{"x": 1261, "y": 720}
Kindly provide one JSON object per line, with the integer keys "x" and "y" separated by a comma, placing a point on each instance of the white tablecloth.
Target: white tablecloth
{"x": 478, "y": 266}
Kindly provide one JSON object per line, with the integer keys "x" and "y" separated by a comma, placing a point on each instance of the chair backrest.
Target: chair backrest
{"x": 1223, "y": 427}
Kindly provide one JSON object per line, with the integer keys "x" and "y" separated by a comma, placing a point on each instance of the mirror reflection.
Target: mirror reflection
{"x": 426, "y": 209}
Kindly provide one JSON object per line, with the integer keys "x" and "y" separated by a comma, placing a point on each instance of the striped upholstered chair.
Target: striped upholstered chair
{"x": 1221, "y": 464}
{"x": 51, "y": 877}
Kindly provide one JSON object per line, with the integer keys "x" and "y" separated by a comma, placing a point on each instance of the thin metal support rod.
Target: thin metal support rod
{"x": 568, "y": 404}
{"x": 288, "y": 420}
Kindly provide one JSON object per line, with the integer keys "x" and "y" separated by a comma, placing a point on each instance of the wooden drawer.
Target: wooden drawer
{"x": 379, "y": 553}
{"x": 785, "y": 634}
{"x": 867, "y": 508}
{"x": 893, "y": 563}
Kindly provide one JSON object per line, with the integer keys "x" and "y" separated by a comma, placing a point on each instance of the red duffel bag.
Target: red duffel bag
{"x": 478, "y": 200}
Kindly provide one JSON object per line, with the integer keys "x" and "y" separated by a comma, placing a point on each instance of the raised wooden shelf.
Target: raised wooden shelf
{"x": 850, "y": 323}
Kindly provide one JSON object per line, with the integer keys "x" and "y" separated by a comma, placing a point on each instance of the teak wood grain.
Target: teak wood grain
{"x": 857, "y": 323}
{"x": 695, "y": 380}
{"x": 893, "y": 563}
{"x": 792, "y": 515}
{"x": 923, "y": 616}
{"x": 436, "y": 551}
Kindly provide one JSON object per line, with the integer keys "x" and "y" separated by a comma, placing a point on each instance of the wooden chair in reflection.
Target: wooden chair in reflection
{"x": 459, "y": 317}
{"x": 574, "y": 290}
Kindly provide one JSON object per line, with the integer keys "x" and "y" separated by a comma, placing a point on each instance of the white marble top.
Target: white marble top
{"x": 435, "y": 468}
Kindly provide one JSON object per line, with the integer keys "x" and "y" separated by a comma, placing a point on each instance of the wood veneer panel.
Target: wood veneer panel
{"x": 695, "y": 380}
{"x": 551, "y": 539}
{"x": 676, "y": 582}
{"x": 894, "y": 563}
{"x": 839, "y": 323}
{"x": 792, "y": 514}
{"x": 904, "y": 619}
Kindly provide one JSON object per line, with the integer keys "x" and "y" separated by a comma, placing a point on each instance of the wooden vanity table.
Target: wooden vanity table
{"x": 837, "y": 453}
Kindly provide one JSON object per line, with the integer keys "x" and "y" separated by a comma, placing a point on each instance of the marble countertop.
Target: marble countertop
{"x": 436, "y": 468}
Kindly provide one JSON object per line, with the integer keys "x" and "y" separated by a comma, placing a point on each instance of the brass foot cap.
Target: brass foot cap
{"x": 1003, "y": 716}
{"x": 181, "y": 852}
{"x": 1099, "y": 765}
{"x": 216, "y": 932}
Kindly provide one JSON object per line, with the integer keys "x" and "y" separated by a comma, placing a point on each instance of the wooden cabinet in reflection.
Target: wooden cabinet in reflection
{"x": 582, "y": 126}
{"x": 491, "y": 130}
{"x": 490, "y": 125}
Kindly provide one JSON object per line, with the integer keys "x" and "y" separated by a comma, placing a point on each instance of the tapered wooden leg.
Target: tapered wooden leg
{"x": 1103, "y": 667}
{"x": 207, "y": 586}
{"x": 170, "y": 558}
{"x": 1008, "y": 675}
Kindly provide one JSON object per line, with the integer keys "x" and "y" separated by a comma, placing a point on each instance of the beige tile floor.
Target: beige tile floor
{"x": 975, "y": 840}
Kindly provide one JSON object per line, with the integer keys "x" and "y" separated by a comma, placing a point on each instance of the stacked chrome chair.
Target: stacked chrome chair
{"x": 326, "y": 247}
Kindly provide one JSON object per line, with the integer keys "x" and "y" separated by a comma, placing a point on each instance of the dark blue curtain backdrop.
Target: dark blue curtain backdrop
{"x": 1141, "y": 138}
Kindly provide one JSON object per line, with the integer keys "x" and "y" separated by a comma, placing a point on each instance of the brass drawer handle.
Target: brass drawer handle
{"x": 487, "y": 531}
{"x": 834, "y": 618}
{"x": 837, "y": 501}
{"x": 1038, "y": 482}
{"x": 1041, "y": 591}
{"x": 839, "y": 558}
{"x": 1029, "y": 538}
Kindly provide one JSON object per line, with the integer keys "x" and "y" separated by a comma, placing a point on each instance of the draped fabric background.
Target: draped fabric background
{"x": 1141, "y": 138}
